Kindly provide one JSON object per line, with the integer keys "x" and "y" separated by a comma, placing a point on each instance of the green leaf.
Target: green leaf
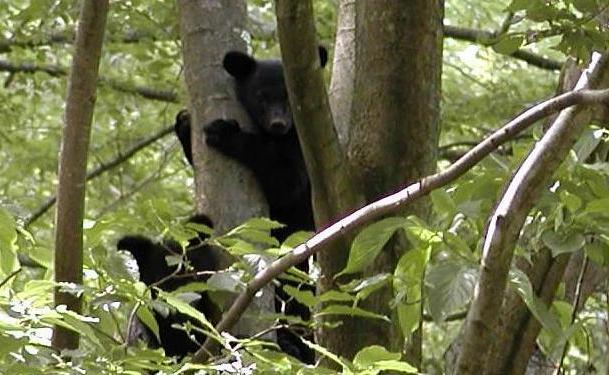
{"x": 335, "y": 295}
{"x": 305, "y": 297}
{"x": 508, "y": 44}
{"x": 561, "y": 243}
{"x": 369, "y": 355}
{"x": 187, "y": 310}
{"x": 521, "y": 283}
{"x": 376, "y": 358}
{"x": 146, "y": 317}
{"x": 443, "y": 203}
{"x": 369, "y": 243}
{"x": 450, "y": 286}
{"x": 407, "y": 287}
{"x": 350, "y": 311}
{"x": 598, "y": 206}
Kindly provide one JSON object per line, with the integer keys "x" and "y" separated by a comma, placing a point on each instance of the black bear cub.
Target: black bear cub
{"x": 154, "y": 270}
{"x": 272, "y": 152}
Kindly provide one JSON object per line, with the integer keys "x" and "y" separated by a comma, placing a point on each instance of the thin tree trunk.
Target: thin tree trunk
{"x": 225, "y": 191}
{"x": 73, "y": 160}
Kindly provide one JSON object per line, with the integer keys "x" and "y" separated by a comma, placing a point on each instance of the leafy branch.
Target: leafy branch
{"x": 488, "y": 39}
{"x": 399, "y": 200}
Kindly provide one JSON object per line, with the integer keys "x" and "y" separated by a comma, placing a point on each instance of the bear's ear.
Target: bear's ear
{"x": 323, "y": 55}
{"x": 239, "y": 64}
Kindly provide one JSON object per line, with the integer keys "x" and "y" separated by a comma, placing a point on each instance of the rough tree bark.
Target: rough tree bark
{"x": 505, "y": 225}
{"x": 225, "y": 191}
{"x": 395, "y": 125}
{"x": 515, "y": 339}
{"x": 80, "y": 102}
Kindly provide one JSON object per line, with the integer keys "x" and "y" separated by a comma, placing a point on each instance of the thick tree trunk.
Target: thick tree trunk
{"x": 395, "y": 125}
{"x": 225, "y": 191}
{"x": 73, "y": 160}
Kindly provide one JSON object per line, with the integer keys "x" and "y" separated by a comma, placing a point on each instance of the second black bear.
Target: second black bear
{"x": 151, "y": 259}
{"x": 272, "y": 152}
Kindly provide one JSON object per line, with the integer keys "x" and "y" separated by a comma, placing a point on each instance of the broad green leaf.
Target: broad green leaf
{"x": 508, "y": 44}
{"x": 305, "y": 297}
{"x": 571, "y": 201}
{"x": 326, "y": 353}
{"x": 442, "y": 202}
{"x": 598, "y": 252}
{"x": 350, "y": 311}
{"x": 521, "y": 283}
{"x": 398, "y": 366}
{"x": 335, "y": 295}
{"x": 369, "y": 243}
{"x": 560, "y": 243}
{"x": 407, "y": 287}
{"x": 187, "y": 310}
{"x": 146, "y": 317}
{"x": 449, "y": 286}
{"x": 376, "y": 358}
{"x": 598, "y": 206}
{"x": 369, "y": 355}
{"x": 75, "y": 322}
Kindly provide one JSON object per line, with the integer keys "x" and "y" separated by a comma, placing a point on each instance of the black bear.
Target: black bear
{"x": 272, "y": 152}
{"x": 151, "y": 258}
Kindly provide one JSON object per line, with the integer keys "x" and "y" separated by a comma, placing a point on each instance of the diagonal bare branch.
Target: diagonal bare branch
{"x": 399, "y": 200}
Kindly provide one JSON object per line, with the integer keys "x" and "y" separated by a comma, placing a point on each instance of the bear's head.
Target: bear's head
{"x": 261, "y": 89}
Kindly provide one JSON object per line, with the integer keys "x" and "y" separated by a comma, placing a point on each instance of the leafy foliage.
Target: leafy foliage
{"x": 149, "y": 193}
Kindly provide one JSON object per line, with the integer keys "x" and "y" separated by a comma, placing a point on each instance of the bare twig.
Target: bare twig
{"x": 10, "y": 276}
{"x": 104, "y": 167}
{"x": 399, "y": 200}
{"x": 59, "y": 71}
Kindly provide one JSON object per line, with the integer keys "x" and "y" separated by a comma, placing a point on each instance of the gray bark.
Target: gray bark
{"x": 225, "y": 191}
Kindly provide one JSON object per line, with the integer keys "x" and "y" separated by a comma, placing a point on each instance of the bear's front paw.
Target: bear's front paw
{"x": 219, "y": 132}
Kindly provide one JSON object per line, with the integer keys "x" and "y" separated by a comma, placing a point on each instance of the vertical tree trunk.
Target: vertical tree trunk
{"x": 395, "y": 123}
{"x": 343, "y": 72}
{"x": 225, "y": 191}
{"x": 73, "y": 160}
